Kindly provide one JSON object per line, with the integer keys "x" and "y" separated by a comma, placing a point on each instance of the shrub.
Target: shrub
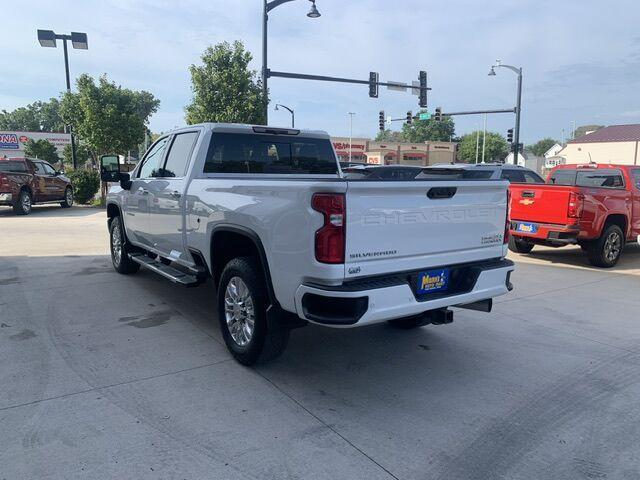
{"x": 85, "y": 184}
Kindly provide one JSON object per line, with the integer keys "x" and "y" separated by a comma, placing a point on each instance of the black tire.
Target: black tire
{"x": 264, "y": 342}
{"x": 68, "y": 198}
{"x": 24, "y": 203}
{"x": 606, "y": 250}
{"x": 518, "y": 245}
{"x": 120, "y": 249}
{"x": 408, "y": 323}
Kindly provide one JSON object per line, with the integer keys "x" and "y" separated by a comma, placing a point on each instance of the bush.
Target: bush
{"x": 85, "y": 184}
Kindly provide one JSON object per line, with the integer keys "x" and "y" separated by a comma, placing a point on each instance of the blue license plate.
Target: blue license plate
{"x": 433, "y": 281}
{"x": 527, "y": 227}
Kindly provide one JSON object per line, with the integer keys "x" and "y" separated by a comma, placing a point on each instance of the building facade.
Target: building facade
{"x": 368, "y": 151}
{"x": 12, "y": 142}
{"x": 613, "y": 144}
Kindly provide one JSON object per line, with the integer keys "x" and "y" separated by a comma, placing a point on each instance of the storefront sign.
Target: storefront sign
{"x": 9, "y": 141}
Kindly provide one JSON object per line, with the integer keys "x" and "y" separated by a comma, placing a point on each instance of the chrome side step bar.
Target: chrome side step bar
{"x": 166, "y": 271}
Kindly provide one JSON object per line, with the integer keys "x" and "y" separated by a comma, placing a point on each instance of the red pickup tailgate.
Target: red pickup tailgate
{"x": 541, "y": 203}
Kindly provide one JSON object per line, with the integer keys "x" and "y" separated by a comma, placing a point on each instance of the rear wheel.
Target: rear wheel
{"x": 120, "y": 249}
{"x": 518, "y": 245}
{"x": 23, "y": 205}
{"x": 68, "y": 198}
{"x": 242, "y": 313}
{"x": 605, "y": 252}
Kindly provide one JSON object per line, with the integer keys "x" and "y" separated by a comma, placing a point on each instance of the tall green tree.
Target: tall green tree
{"x": 224, "y": 88}
{"x": 429, "y": 130}
{"x": 42, "y": 149}
{"x": 496, "y": 147}
{"x": 541, "y": 146}
{"x": 35, "y": 117}
{"x": 107, "y": 117}
{"x": 82, "y": 154}
{"x": 582, "y": 130}
{"x": 390, "y": 136}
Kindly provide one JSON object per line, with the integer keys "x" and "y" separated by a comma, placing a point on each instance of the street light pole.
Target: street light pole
{"x": 293, "y": 115}
{"x": 351, "y": 114}
{"x": 516, "y": 134}
{"x": 47, "y": 38}
{"x": 267, "y": 7}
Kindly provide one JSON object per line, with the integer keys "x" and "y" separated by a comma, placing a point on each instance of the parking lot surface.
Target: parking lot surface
{"x": 111, "y": 376}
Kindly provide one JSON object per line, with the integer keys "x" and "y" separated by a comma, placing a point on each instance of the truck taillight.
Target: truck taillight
{"x": 574, "y": 210}
{"x": 4, "y": 181}
{"x": 507, "y": 222}
{"x": 331, "y": 237}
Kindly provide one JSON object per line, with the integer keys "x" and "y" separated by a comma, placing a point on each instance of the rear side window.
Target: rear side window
{"x": 179, "y": 154}
{"x": 532, "y": 177}
{"x": 39, "y": 168}
{"x": 635, "y": 175}
{"x": 514, "y": 176}
{"x": 563, "y": 177}
{"x": 275, "y": 154}
{"x": 18, "y": 167}
{"x": 600, "y": 178}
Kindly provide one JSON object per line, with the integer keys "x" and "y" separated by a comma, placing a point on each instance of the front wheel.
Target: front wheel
{"x": 120, "y": 249}
{"x": 519, "y": 246}
{"x": 68, "y": 198}
{"x": 605, "y": 251}
{"x": 242, "y": 313}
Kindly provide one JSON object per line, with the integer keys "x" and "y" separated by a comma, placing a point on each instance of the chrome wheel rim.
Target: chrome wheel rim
{"x": 116, "y": 244}
{"x": 26, "y": 202}
{"x": 69, "y": 197}
{"x": 238, "y": 311}
{"x": 612, "y": 246}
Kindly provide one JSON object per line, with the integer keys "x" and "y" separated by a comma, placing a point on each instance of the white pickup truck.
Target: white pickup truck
{"x": 287, "y": 238}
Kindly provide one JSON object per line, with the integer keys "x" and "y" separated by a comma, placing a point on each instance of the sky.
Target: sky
{"x": 580, "y": 59}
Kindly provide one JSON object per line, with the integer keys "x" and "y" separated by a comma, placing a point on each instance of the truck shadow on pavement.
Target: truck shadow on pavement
{"x": 573, "y": 256}
{"x": 51, "y": 211}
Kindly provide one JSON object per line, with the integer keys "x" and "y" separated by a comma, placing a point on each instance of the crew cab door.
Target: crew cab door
{"x": 635, "y": 198}
{"x": 55, "y": 185}
{"x": 136, "y": 199}
{"x": 42, "y": 183}
{"x": 166, "y": 203}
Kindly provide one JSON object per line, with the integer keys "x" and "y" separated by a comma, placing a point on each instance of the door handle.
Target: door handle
{"x": 175, "y": 194}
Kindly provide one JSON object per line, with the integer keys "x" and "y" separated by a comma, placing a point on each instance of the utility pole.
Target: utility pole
{"x": 477, "y": 143}
{"x": 484, "y": 136}
{"x": 351, "y": 114}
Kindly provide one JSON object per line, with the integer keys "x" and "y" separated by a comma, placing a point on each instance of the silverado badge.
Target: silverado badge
{"x": 526, "y": 201}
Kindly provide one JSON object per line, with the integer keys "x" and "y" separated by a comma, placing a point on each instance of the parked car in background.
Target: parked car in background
{"x": 495, "y": 171}
{"x": 25, "y": 182}
{"x": 596, "y": 206}
{"x": 287, "y": 238}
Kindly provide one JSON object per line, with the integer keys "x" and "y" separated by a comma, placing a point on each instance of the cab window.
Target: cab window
{"x": 151, "y": 162}
{"x": 532, "y": 177}
{"x": 179, "y": 154}
{"x": 565, "y": 176}
{"x": 514, "y": 176}
{"x": 635, "y": 177}
{"x": 600, "y": 178}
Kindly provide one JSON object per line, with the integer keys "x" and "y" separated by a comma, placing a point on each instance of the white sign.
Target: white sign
{"x": 14, "y": 141}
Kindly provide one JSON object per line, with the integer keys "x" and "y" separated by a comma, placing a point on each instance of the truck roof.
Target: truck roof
{"x": 593, "y": 165}
{"x": 260, "y": 129}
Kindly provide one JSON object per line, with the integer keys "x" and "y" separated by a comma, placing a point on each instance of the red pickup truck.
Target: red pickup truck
{"x": 596, "y": 206}
{"x": 25, "y": 181}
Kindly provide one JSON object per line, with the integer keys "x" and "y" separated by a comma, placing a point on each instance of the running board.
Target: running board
{"x": 166, "y": 271}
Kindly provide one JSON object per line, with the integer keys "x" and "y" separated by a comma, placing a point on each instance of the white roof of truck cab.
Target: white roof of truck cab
{"x": 259, "y": 129}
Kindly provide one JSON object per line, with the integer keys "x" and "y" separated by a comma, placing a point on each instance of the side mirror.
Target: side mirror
{"x": 60, "y": 172}
{"x": 125, "y": 181}
{"x": 110, "y": 168}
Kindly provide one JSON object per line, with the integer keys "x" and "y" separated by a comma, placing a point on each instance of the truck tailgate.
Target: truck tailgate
{"x": 403, "y": 226}
{"x": 541, "y": 203}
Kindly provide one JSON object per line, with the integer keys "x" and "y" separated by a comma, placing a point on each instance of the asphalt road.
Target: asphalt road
{"x": 111, "y": 376}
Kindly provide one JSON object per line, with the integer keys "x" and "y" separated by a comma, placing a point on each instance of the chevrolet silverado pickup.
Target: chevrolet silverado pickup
{"x": 596, "y": 206}
{"x": 25, "y": 182}
{"x": 287, "y": 238}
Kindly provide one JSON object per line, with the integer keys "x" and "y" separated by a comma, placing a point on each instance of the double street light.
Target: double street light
{"x": 517, "y": 71}
{"x": 268, "y": 6}
{"x": 47, "y": 38}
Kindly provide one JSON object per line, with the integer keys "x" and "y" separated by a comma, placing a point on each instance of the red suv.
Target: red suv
{"x": 26, "y": 181}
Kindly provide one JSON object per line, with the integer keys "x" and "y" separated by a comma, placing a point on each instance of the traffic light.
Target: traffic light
{"x": 510, "y": 135}
{"x": 423, "y": 89}
{"x": 373, "y": 84}
{"x": 438, "y": 115}
{"x": 381, "y": 120}
{"x": 409, "y": 118}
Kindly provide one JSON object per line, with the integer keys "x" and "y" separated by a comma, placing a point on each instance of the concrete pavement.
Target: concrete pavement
{"x": 110, "y": 376}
